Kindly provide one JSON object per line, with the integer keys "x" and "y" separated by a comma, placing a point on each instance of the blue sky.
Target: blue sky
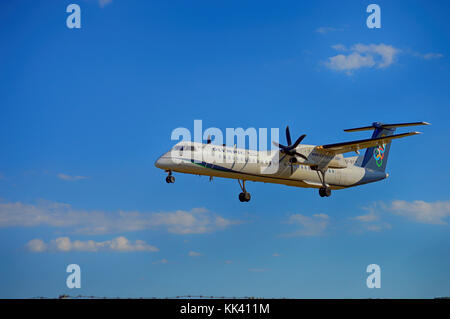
{"x": 84, "y": 113}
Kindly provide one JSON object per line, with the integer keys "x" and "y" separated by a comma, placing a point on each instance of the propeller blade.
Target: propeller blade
{"x": 298, "y": 141}
{"x": 288, "y": 136}
{"x": 279, "y": 145}
{"x": 301, "y": 155}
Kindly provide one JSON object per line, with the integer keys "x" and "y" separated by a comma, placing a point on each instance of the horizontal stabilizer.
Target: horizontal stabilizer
{"x": 352, "y": 146}
{"x": 386, "y": 126}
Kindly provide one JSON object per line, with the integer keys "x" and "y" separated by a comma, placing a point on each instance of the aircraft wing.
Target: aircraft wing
{"x": 352, "y": 146}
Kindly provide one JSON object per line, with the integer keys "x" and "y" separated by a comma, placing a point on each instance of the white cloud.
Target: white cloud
{"x": 429, "y": 56}
{"x": 162, "y": 261}
{"x": 65, "y": 244}
{"x": 339, "y": 47}
{"x": 70, "y": 178}
{"x": 310, "y": 226}
{"x": 371, "y": 221}
{"x": 367, "y": 218}
{"x": 194, "y": 254}
{"x": 426, "y": 56}
{"x": 421, "y": 211}
{"x": 325, "y": 30}
{"x": 36, "y": 245}
{"x": 361, "y": 55}
{"x": 46, "y": 213}
{"x": 350, "y": 62}
{"x": 377, "y": 226}
{"x": 418, "y": 211}
{"x": 386, "y": 52}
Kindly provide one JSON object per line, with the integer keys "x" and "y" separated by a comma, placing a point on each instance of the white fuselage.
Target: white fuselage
{"x": 236, "y": 163}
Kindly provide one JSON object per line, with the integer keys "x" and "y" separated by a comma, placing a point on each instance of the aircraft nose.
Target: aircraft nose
{"x": 158, "y": 163}
{"x": 164, "y": 162}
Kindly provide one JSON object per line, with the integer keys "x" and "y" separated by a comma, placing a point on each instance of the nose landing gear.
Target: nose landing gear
{"x": 244, "y": 196}
{"x": 170, "y": 178}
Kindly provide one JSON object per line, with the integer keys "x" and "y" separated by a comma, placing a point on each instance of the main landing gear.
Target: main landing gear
{"x": 325, "y": 190}
{"x": 170, "y": 178}
{"x": 244, "y": 196}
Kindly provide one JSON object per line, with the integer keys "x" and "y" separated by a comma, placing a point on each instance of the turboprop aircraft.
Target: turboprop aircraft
{"x": 309, "y": 166}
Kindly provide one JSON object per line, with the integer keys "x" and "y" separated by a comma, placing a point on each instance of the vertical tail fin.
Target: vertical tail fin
{"x": 375, "y": 158}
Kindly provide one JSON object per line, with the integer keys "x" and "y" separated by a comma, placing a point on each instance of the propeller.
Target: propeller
{"x": 290, "y": 148}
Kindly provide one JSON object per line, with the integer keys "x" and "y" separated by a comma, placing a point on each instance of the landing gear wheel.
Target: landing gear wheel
{"x": 321, "y": 193}
{"x": 244, "y": 197}
{"x": 325, "y": 192}
{"x": 170, "y": 179}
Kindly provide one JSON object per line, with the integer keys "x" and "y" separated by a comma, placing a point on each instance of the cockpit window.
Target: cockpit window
{"x": 185, "y": 148}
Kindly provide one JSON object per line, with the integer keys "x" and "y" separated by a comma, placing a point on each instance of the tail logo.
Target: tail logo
{"x": 378, "y": 154}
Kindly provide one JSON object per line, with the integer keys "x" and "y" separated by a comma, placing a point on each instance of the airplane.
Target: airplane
{"x": 309, "y": 166}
